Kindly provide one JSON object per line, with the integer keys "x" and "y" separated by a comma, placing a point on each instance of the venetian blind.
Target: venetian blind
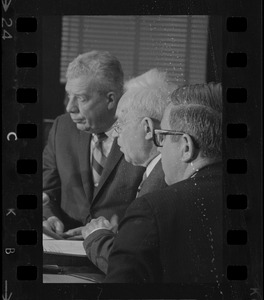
{"x": 176, "y": 44}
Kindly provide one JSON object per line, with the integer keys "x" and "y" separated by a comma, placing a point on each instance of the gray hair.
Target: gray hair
{"x": 103, "y": 67}
{"x": 208, "y": 94}
{"x": 202, "y": 123}
{"x": 147, "y": 95}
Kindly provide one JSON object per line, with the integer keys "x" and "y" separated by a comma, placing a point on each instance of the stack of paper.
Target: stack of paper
{"x": 56, "y": 244}
{"x": 64, "y": 247}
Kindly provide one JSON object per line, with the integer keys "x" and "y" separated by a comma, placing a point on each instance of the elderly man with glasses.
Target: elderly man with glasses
{"x": 139, "y": 112}
{"x": 175, "y": 235}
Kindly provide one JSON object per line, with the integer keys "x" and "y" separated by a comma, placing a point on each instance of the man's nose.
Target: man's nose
{"x": 115, "y": 134}
{"x": 72, "y": 106}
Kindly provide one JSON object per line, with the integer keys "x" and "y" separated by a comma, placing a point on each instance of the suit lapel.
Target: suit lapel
{"x": 113, "y": 158}
{"x": 154, "y": 181}
{"x": 84, "y": 161}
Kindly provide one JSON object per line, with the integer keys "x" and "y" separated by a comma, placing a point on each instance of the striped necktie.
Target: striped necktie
{"x": 98, "y": 157}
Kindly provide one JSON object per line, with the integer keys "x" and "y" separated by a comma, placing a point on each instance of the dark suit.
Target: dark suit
{"x": 99, "y": 243}
{"x": 67, "y": 178}
{"x": 174, "y": 235}
{"x": 154, "y": 182}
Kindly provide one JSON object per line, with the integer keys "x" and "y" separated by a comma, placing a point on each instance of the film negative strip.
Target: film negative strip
{"x": 27, "y": 30}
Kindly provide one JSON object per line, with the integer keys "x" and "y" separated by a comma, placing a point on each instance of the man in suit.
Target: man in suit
{"x": 139, "y": 111}
{"x": 175, "y": 235}
{"x": 84, "y": 173}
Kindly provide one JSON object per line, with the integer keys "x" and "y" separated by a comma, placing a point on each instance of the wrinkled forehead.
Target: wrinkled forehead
{"x": 80, "y": 84}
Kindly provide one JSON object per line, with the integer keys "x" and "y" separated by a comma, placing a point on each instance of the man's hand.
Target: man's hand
{"x": 76, "y": 233}
{"x": 100, "y": 223}
{"x": 54, "y": 224}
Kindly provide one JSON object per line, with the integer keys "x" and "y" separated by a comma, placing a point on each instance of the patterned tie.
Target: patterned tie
{"x": 98, "y": 157}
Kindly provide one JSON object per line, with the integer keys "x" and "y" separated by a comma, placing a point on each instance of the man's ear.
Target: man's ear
{"x": 187, "y": 147}
{"x": 148, "y": 127}
{"x": 111, "y": 100}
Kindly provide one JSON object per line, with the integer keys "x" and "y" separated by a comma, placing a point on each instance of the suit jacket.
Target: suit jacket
{"x": 67, "y": 178}
{"x": 172, "y": 236}
{"x": 99, "y": 243}
{"x": 154, "y": 182}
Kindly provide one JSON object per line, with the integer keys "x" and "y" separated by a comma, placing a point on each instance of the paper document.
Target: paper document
{"x": 57, "y": 244}
{"x": 64, "y": 247}
{"x": 48, "y": 234}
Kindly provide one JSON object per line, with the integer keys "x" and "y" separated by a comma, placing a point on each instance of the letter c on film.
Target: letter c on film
{"x": 9, "y": 135}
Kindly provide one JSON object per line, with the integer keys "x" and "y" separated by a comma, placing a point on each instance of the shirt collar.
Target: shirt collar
{"x": 152, "y": 164}
{"x": 109, "y": 134}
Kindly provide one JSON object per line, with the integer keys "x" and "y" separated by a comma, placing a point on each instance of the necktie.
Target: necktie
{"x": 141, "y": 183}
{"x": 98, "y": 157}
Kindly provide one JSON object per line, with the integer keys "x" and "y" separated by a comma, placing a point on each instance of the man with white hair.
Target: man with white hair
{"x": 84, "y": 173}
{"x": 139, "y": 112}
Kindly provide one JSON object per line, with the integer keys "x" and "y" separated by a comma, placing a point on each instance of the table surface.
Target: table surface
{"x": 72, "y": 270}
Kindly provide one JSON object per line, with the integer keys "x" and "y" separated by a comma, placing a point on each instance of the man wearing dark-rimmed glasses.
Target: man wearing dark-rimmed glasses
{"x": 175, "y": 235}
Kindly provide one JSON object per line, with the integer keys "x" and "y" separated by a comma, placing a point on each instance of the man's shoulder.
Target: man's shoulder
{"x": 64, "y": 130}
{"x": 64, "y": 119}
{"x": 162, "y": 194}
{"x": 65, "y": 124}
{"x": 168, "y": 200}
{"x": 166, "y": 191}
{"x": 208, "y": 183}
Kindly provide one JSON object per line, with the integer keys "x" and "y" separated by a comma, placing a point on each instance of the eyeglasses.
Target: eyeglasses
{"x": 118, "y": 126}
{"x": 160, "y": 134}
